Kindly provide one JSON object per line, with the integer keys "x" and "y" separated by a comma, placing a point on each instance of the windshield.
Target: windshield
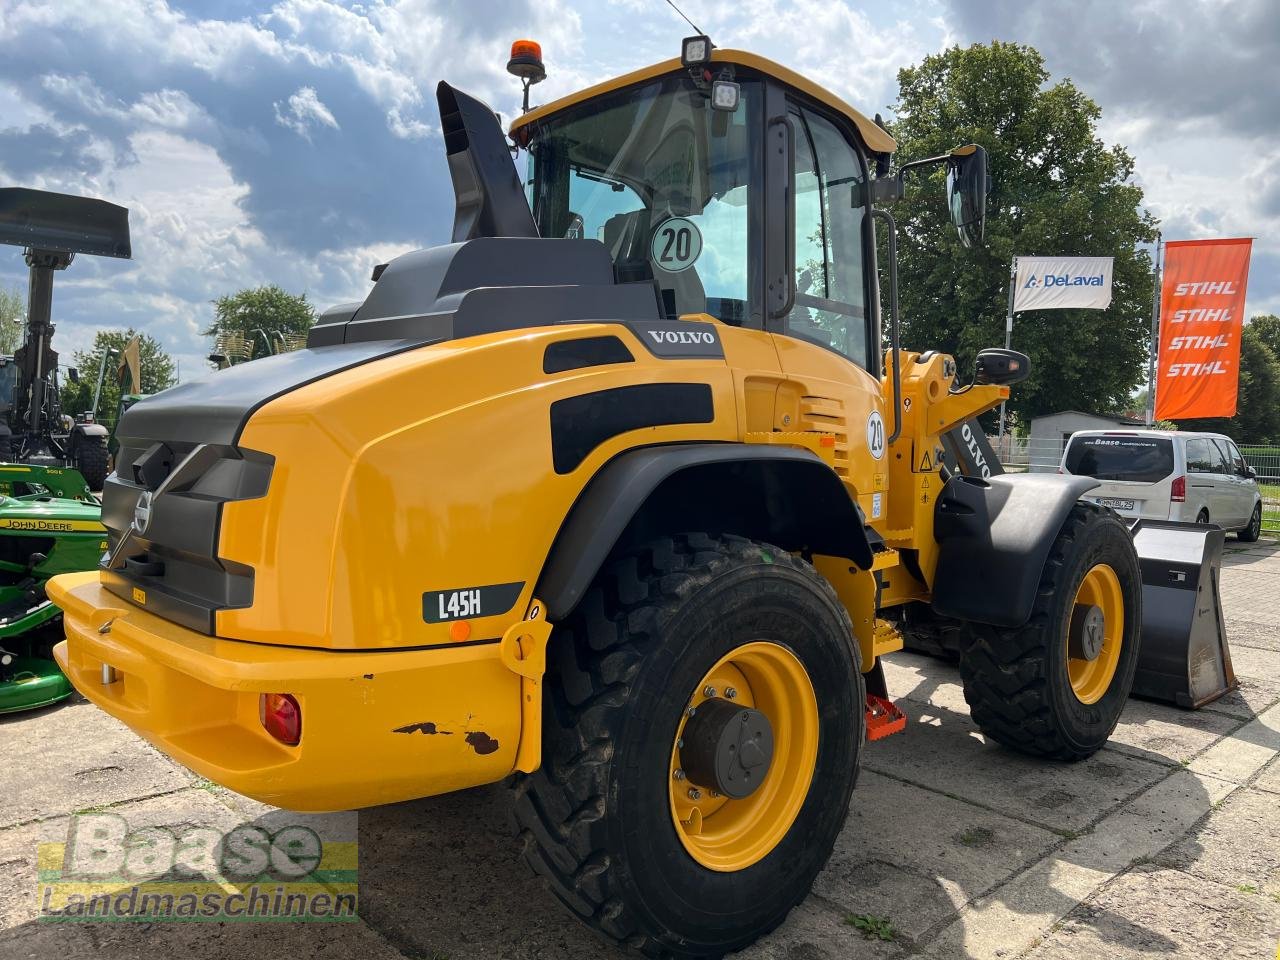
{"x": 1141, "y": 459}
{"x": 661, "y": 179}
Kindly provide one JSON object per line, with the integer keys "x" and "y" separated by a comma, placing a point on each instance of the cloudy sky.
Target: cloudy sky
{"x": 297, "y": 142}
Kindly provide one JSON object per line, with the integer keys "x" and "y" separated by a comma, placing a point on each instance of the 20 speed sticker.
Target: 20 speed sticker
{"x": 875, "y": 434}
{"x": 676, "y": 244}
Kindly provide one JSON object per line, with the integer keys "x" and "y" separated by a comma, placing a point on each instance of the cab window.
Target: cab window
{"x": 830, "y": 286}
{"x": 664, "y": 182}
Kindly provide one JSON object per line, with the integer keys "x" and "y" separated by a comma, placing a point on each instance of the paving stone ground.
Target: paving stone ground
{"x": 1166, "y": 843}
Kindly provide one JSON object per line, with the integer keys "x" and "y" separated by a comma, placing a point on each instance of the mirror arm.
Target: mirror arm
{"x": 892, "y": 241}
{"x": 892, "y": 189}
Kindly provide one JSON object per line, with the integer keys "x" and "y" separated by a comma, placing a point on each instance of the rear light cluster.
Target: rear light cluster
{"x": 1178, "y": 490}
{"x": 281, "y": 717}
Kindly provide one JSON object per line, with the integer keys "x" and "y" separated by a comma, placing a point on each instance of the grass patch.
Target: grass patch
{"x": 1247, "y": 888}
{"x": 976, "y": 837}
{"x": 871, "y": 927}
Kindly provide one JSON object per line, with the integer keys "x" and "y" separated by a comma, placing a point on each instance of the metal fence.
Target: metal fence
{"x": 1266, "y": 463}
{"x": 1021, "y": 455}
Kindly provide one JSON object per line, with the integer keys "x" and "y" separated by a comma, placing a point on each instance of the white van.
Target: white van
{"x": 1169, "y": 475}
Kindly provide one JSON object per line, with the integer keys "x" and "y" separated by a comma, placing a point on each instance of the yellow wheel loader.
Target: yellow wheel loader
{"x": 619, "y": 492}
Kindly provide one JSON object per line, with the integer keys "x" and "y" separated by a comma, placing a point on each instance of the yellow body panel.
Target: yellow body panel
{"x": 877, "y": 140}
{"x": 404, "y": 475}
{"x": 376, "y": 727}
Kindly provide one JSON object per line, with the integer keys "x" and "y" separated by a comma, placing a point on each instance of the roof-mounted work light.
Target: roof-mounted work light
{"x": 725, "y": 95}
{"x": 695, "y": 51}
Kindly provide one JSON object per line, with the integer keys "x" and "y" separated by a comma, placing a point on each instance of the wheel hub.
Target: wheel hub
{"x": 727, "y": 748}
{"x": 1088, "y": 631}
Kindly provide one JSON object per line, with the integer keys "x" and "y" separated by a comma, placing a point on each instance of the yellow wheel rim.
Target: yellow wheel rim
{"x": 1090, "y": 679}
{"x": 725, "y": 834}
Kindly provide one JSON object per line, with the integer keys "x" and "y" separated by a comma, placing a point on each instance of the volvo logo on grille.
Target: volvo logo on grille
{"x": 142, "y": 513}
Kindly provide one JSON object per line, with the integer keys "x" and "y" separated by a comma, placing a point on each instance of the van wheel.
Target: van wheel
{"x": 1202, "y": 517}
{"x": 1055, "y": 687}
{"x": 703, "y": 722}
{"x": 1253, "y": 531}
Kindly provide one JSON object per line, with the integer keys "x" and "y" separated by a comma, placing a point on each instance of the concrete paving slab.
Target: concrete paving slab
{"x": 915, "y": 857}
{"x": 1249, "y": 591}
{"x": 1252, "y": 698}
{"x": 444, "y": 877}
{"x": 1246, "y": 633}
{"x": 1237, "y": 846}
{"x": 1152, "y": 730}
{"x": 1255, "y": 663}
{"x": 1245, "y": 752}
{"x": 74, "y": 756}
{"x": 943, "y": 751}
{"x": 817, "y": 931}
{"x": 1017, "y": 915}
{"x": 146, "y": 941}
{"x": 1269, "y": 778}
{"x": 1150, "y": 912}
{"x": 18, "y": 845}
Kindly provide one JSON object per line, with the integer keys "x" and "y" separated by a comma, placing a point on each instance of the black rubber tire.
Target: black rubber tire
{"x": 595, "y": 819}
{"x": 1016, "y": 680}
{"x": 91, "y": 460}
{"x": 1202, "y": 517}
{"x": 1253, "y": 531}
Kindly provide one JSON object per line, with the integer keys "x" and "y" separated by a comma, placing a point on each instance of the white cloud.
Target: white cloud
{"x": 303, "y": 112}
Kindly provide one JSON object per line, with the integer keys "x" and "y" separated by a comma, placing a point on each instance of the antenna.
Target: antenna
{"x": 696, "y": 28}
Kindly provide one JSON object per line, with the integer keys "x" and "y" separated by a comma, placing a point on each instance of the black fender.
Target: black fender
{"x": 782, "y": 495}
{"x": 88, "y": 430}
{"x": 994, "y": 538}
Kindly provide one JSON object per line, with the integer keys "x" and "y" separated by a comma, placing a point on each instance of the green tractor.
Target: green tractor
{"x": 49, "y": 524}
{"x": 52, "y": 229}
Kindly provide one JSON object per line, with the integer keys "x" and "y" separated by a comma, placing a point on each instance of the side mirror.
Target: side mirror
{"x": 1251, "y": 473}
{"x": 967, "y": 192}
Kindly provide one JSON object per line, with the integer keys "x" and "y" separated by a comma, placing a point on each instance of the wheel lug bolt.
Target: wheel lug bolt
{"x": 680, "y": 744}
{"x": 695, "y": 793}
{"x": 708, "y": 691}
{"x": 690, "y": 712}
{"x": 714, "y": 794}
{"x": 679, "y": 774}
{"x": 730, "y": 693}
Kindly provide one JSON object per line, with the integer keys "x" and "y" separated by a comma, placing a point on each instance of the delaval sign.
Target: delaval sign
{"x": 1061, "y": 283}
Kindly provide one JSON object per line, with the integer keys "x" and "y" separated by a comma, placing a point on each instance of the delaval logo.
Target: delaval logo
{"x": 1064, "y": 280}
{"x": 682, "y": 336}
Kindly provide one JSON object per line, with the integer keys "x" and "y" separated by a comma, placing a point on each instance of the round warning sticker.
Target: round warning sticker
{"x": 676, "y": 245}
{"x": 875, "y": 434}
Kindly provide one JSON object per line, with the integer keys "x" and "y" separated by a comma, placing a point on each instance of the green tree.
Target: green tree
{"x": 157, "y": 372}
{"x": 1257, "y": 418}
{"x": 1267, "y": 326}
{"x": 13, "y": 311}
{"x": 1056, "y": 190}
{"x": 262, "y": 315}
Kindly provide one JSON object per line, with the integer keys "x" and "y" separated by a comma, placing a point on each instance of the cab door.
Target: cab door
{"x": 827, "y": 338}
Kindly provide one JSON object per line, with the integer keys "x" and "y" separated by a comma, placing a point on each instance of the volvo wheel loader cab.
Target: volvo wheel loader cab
{"x": 619, "y": 492}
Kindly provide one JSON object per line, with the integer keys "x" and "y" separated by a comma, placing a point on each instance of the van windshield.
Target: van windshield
{"x": 1140, "y": 459}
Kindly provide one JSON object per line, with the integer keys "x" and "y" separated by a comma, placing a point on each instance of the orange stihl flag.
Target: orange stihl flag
{"x": 1201, "y": 316}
